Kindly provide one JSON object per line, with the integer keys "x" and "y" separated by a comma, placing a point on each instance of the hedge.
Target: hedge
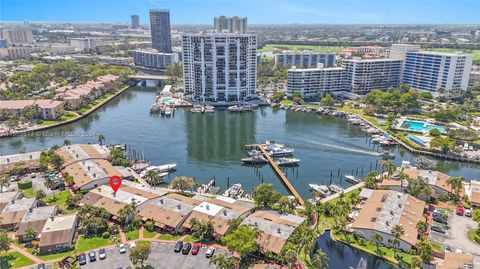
{"x": 23, "y": 185}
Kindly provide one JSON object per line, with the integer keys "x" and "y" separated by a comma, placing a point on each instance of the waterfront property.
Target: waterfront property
{"x": 35, "y": 218}
{"x": 30, "y": 161}
{"x": 45, "y": 109}
{"x": 168, "y": 212}
{"x": 419, "y": 126}
{"x": 152, "y": 59}
{"x": 14, "y": 208}
{"x": 219, "y": 211}
{"x": 435, "y": 179}
{"x": 473, "y": 191}
{"x": 275, "y": 228}
{"x": 385, "y": 209}
{"x": 130, "y": 192}
{"x": 313, "y": 82}
{"x": 57, "y": 233}
{"x": 305, "y": 59}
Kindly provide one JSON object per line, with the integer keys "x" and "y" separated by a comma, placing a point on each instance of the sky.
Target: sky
{"x": 257, "y": 11}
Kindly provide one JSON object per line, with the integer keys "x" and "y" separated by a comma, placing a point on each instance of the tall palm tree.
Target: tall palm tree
{"x": 101, "y": 139}
{"x": 456, "y": 184}
{"x": 4, "y": 182}
{"x": 320, "y": 259}
{"x": 377, "y": 238}
{"x": 388, "y": 166}
{"x": 40, "y": 194}
{"x": 397, "y": 232}
{"x": 30, "y": 235}
{"x": 395, "y": 243}
{"x": 49, "y": 184}
{"x": 421, "y": 226}
{"x": 153, "y": 177}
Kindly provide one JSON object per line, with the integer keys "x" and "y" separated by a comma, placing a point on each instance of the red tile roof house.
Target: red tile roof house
{"x": 89, "y": 91}
{"x": 47, "y": 109}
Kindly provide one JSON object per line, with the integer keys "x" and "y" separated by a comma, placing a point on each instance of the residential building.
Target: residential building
{"x": 57, "y": 233}
{"x": 364, "y": 76}
{"x": 220, "y": 67}
{"x": 160, "y": 30}
{"x": 313, "y": 82}
{"x": 7, "y": 197}
{"x": 385, "y": 209}
{"x": 152, "y": 59}
{"x": 46, "y": 109}
{"x": 364, "y": 51}
{"x": 3, "y": 43}
{"x": 30, "y": 161}
{"x": 454, "y": 260}
{"x": 13, "y": 212}
{"x": 35, "y": 218}
{"x": 275, "y": 228}
{"x": 435, "y": 179}
{"x": 399, "y": 51}
{"x": 219, "y": 211}
{"x": 135, "y": 21}
{"x": 88, "y": 164}
{"x": 130, "y": 192}
{"x": 168, "y": 212}
{"x": 305, "y": 59}
{"x": 13, "y": 53}
{"x": 17, "y": 36}
{"x": 84, "y": 44}
{"x": 474, "y": 193}
{"x": 431, "y": 71}
{"x": 235, "y": 24}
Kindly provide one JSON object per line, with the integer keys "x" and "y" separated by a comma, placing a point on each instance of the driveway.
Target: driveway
{"x": 456, "y": 235}
{"x": 161, "y": 257}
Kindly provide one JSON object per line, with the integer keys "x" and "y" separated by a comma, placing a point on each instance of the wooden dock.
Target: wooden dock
{"x": 279, "y": 173}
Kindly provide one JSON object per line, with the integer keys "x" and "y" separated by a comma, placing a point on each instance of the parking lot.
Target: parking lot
{"x": 161, "y": 257}
{"x": 456, "y": 234}
{"x": 38, "y": 183}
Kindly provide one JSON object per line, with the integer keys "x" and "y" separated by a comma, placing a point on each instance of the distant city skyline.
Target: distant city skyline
{"x": 258, "y": 12}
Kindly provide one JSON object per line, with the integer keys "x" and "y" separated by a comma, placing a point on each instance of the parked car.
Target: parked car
{"x": 195, "y": 248}
{"x": 448, "y": 249}
{"x": 92, "y": 256}
{"x": 468, "y": 213}
{"x": 41, "y": 266}
{"x": 178, "y": 246}
{"x": 440, "y": 220}
{"x": 82, "y": 259}
{"x": 14, "y": 178}
{"x": 102, "y": 254}
{"x": 210, "y": 252}
{"x": 33, "y": 175}
{"x": 186, "y": 248}
{"x": 132, "y": 245}
{"x": 460, "y": 210}
{"x": 122, "y": 249}
{"x": 437, "y": 229}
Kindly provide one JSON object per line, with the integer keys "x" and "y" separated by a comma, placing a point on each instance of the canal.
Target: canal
{"x": 208, "y": 145}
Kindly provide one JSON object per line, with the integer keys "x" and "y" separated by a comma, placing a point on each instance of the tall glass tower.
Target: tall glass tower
{"x": 160, "y": 30}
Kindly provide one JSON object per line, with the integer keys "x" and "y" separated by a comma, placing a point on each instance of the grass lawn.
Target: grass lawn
{"x": 189, "y": 239}
{"x": 171, "y": 237}
{"x": 68, "y": 115}
{"x": 132, "y": 235}
{"x": 30, "y": 192}
{"x": 148, "y": 234}
{"x": 473, "y": 237}
{"x": 59, "y": 200}
{"x": 91, "y": 105}
{"x": 286, "y": 102}
{"x": 83, "y": 245}
{"x": 299, "y": 48}
{"x": 14, "y": 260}
{"x": 384, "y": 252}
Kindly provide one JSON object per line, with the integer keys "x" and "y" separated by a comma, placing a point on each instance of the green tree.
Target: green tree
{"x": 153, "y": 178}
{"x": 456, "y": 184}
{"x": 377, "y": 239}
{"x": 222, "y": 262}
{"x": 371, "y": 181}
{"x": 320, "y": 259}
{"x": 425, "y": 251}
{"x": 397, "y": 232}
{"x": 40, "y": 194}
{"x": 183, "y": 183}
{"x": 277, "y": 96}
{"x": 4, "y": 241}
{"x": 421, "y": 226}
{"x": 4, "y": 182}
{"x": 140, "y": 253}
{"x": 50, "y": 184}
{"x": 435, "y": 132}
{"x": 72, "y": 200}
{"x": 418, "y": 188}
{"x": 284, "y": 205}
{"x": 416, "y": 262}
{"x": 445, "y": 144}
{"x": 30, "y": 234}
{"x": 202, "y": 230}
{"x": 388, "y": 166}
{"x": 126, "y": 214}
{"x": 243, "y": 240}
{"x": 328, "y": 100}
{"x": 265, "y": 196}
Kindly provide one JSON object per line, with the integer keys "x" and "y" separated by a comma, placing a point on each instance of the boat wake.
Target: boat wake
{"x": 359, "y": 151}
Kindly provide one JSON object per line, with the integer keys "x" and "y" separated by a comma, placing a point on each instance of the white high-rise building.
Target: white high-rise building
{"x": 312, "y": 82}
{"x": 399, "y": 51}
{"x": 365, "y": 75}
{"x": 233, "y": 24}
{"x": 219, "y": 67}
{"x": 431, "y": 71}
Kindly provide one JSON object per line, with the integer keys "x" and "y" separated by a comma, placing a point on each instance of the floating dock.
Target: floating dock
{"x": 279, "y": 172}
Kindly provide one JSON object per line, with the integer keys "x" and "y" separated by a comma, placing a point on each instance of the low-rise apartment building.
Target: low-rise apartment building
{"x": 36, "y": 219}
{"x": 13, "y": 211}
{"x": 46, "y": 109}
{"x": 30, "y": 161}
{"x": 58, "y": 233}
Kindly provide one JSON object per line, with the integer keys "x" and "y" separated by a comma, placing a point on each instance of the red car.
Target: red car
{"x": 196, "y": 248}
{"x": 460, "y": 210}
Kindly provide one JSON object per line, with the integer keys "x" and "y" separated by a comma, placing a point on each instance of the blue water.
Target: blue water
{"x": 418, "y": 126}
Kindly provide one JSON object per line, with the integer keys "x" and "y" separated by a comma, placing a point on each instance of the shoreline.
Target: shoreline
{"x": 79, "y": 117}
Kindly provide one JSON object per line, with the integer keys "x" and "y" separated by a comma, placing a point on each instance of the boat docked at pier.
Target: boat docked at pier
{"x": 140, "y": 166}
{"x": 284, "y": 161}
{"x": 241, "y": 108}
{"x": 255, "y": 159}
{"x": 234, "y": 191}
{"x": 159, "y": 169}
{"x": 352, "y": 179}
{"x": 323, "y": 190}
{"x": 335, "y": 188}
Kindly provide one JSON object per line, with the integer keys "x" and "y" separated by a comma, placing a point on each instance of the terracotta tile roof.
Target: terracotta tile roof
{"x": 455, "y": 260}
{"x": 21, "y": 104}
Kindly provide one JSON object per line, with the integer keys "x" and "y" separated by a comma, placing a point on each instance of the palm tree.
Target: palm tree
{"x": 40, "y": 194}
{"x": 456, "y": 184}
{"x": 30, "y": 235}
{"x": 377, "y": 238}
{"x": 387, "y": 166}
{"x": 395, "y": 243}
{"x": 49, "y": 184}
{"x": 421, "y": 226}
{"x": 152, "y": 177}
{"x": 183, "y": 183}
{"x": 397, "y": 232}
{"x": 222, "y": 262}
{"x": 320, "y": 259}
{"x": 101, "y": 139}
{"x": 67, "y": 142}
{"x": 4, "y": 182}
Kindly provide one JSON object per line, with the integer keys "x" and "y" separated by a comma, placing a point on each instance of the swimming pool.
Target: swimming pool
{"x": 420, "y": 126}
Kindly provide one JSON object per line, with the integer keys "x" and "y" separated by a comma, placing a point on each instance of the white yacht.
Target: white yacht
{"x": 352, "y": 179}
{"x": 335, "y": 188}
{"x": 322, "y": 189}
{"x": 287, "y": 161}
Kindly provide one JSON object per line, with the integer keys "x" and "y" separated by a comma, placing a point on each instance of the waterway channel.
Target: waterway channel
{"x": 208, "y": 145}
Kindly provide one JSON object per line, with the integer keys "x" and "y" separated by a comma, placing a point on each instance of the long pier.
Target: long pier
{"x": 279, "y": 172}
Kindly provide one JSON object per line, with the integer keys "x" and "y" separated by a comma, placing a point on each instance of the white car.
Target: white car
{"x": 132, "y": 244}
{"x": 210, "y": 252}
{"x": 468, "y": 213}
{"x": 122, "y": 248}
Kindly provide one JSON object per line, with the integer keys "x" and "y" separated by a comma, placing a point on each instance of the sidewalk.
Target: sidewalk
{"x": 26, "y": 254}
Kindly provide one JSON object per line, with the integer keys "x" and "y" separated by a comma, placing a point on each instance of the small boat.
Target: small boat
{"x": 234, "y": 108}
{"x": 335, "y": 188}
{"x": 254, "y": 152}
{"x": 234, "y": 190}
{"x": 143, "y": 174}
{"x": 256, "y": 159}
{"x": 322, "y": 189}
{"x": 388, "y": 143}
{"x": 140, "y": 166}
{"x": 159, "y": 169}
{"x": 352, "y": 179}
{"x": 272, "y": 144}
{"x": 278, "y": 152}
{"x": 287, "y": 161}
{"x": 387, "y": 155}
{"x": 209, "y": 109}
{"x": 167, "y": 111}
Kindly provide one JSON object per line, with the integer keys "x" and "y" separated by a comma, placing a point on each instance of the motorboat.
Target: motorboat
{"x": 256, "y": 159}
{"x": 144, "y": 173}
{"x": 159, "y": 169}
{"x": 387, "y": 155}
{"x": 272, "y": 144}
{"x": 322, "y": 189}
{"x": 287, "y": 161}
{"x": 168, "y": 111}
{"x": 254, "y": 152}
{"x": 352, "y": 179}
{"x": 209, "y": 109}
{"x": 278, "y": 152}
{"x": 234, "y": 190}
{"x": 140, "y": 166}
{"x": 388, "y": 143}
{"x": 335, "y": 188}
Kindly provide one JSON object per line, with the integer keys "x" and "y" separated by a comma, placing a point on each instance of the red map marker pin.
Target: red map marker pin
{"x": 115, "y": 183}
